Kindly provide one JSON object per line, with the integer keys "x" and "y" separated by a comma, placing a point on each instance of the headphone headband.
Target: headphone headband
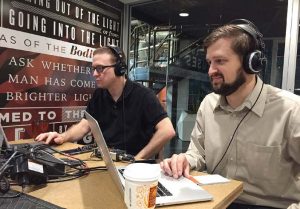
{"x": 251, "y": 29}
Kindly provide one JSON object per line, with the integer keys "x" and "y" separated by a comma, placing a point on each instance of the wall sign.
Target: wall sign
{"x": 46, "y": 49}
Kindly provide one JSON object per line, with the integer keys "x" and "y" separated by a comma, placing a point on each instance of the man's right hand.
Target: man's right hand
{"x": 176, "y": 166}
{"x": 50, "y": 137}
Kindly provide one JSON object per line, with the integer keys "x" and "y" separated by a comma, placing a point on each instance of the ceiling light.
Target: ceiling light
{"x": 184, "y": 14}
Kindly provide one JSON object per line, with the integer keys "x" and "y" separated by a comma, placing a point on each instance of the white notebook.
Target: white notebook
{"x": 211, "y": 179}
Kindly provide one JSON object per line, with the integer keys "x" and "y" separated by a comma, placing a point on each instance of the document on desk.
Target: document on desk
{"x": 211, "y": 179}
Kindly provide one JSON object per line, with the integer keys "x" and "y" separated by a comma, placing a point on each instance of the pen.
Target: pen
{"x": 194, "y": 180}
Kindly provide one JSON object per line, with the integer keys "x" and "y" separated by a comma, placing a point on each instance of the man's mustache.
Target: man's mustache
{"x": 216, "y": 75}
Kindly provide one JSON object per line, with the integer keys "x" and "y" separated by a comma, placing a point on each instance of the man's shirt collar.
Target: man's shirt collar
{"x": 259, "y": 93}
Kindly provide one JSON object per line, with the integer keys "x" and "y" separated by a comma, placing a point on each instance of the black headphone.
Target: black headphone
{"x": 254, "y": 61}
{"x": 121, "y": 66}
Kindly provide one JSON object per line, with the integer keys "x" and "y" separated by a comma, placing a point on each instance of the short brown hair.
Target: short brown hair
{"x": 108, "y": 50}
{"x": 242, "y": 42}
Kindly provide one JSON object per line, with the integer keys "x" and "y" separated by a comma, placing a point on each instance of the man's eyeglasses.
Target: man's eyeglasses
{"x": 101, "y": 68}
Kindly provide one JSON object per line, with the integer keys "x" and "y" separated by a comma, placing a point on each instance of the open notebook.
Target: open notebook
{"x": 171, "y": 191}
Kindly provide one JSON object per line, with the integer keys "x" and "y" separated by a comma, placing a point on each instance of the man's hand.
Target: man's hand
{"x": 176, "y": 166}
{"x": 50, "y": 137}
{"x": 294, "y": 206}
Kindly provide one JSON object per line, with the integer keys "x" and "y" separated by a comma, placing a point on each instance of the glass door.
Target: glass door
{"x": 291, "y": 68}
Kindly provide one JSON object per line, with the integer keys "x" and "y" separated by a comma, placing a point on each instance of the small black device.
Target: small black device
{"x": 115, "y": 154}
{"x": 254, "y": 61}
{"x": 27, "y": 172}
{"x": 80, "y": 150}
{"x": 120, "y": 67}
{"x": 120, "y": 155}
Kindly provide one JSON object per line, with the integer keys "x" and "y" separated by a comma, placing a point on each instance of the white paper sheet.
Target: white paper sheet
{"x": 211, "y": 179}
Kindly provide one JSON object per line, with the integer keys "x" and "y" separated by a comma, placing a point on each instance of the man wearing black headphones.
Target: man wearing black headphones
{"x": 245, "y": 130}
{"x": 129, "y": 114}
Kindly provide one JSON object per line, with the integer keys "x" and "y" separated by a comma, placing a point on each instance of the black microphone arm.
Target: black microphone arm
{"x": 4, "y": 183}
{"x": 5, "y": 166}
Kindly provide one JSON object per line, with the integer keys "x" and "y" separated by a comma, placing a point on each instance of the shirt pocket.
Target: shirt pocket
{"x": 261, "y": 162}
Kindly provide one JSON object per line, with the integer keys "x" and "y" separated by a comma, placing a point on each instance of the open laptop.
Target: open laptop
{"x": 5, "y": 145}
{"x": 172, "y": 191}
{"x": 3, "y": 140}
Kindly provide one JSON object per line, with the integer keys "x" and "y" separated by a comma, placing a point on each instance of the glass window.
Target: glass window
{"x": 173, "y": 46}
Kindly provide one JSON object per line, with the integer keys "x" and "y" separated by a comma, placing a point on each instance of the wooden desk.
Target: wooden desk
{"x": 97, "y": 191}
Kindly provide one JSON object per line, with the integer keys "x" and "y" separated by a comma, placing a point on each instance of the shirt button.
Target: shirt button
{"x": 115, "y": 106}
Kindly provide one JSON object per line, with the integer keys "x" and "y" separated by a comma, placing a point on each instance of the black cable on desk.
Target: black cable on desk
{"x": 39, "y": 153}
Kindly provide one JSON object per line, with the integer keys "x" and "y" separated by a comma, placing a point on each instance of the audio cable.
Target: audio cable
{"x": 237, "y": 129}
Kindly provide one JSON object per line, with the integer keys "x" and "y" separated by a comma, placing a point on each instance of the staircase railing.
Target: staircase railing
{"x": 152, "y": 58}
{"x": 187, "y": 48}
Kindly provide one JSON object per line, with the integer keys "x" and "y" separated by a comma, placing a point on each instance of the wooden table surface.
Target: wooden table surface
{"x": 97, "y": 191}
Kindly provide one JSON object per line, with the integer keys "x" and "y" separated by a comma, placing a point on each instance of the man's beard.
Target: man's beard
{"x": 228, "y": 88}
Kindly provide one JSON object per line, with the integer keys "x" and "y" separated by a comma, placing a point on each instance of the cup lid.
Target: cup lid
{"x": 142, "y": 172}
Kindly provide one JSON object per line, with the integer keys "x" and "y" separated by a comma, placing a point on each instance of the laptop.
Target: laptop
{"x": 4, "y": 145}
{"x": 172, "y": 191}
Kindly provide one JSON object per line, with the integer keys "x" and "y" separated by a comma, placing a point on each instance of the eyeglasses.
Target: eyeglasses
{"x": 101, "y": 68}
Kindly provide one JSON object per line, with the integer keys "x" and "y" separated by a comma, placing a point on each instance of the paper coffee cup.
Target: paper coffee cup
{"x": 141, "y": 181}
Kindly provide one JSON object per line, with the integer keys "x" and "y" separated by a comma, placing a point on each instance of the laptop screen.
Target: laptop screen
{"x": 183, "y": 189}
{"x": 3, "y": 140}
{"x": 99, "y": 139}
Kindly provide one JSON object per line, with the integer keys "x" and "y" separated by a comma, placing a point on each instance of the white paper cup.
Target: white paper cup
{"x": 141, "y": 185}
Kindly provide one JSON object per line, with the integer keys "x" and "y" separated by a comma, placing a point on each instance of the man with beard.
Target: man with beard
{"x": 245, "y": 130}
{"x": 129, "y": 114}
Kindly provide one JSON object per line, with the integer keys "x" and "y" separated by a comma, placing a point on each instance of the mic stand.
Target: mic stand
{"x": 4, "y": 184}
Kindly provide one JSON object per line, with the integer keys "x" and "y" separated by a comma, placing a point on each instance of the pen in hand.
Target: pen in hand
{"x": 194, "y": 180}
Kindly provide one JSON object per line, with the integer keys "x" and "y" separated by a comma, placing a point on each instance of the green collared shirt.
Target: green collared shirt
{"x": 264, "y": 152}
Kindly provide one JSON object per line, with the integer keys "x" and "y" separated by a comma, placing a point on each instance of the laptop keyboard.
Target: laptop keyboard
{"x": 161, "y": 190}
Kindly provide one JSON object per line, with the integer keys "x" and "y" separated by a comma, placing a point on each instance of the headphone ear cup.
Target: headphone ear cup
{"x": 120, "y": 68}
{"x": 254, "y": 62}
